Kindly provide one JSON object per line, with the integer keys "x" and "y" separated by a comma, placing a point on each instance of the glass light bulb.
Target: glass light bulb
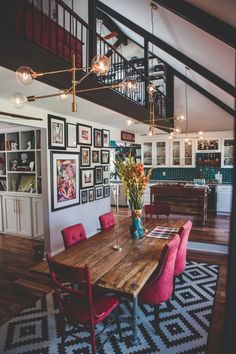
{"x": 200, "y": 133}
{"x": 180, "y": 117}
{"x": 186, "y": 140}
{"x": 24, "y": 75}
{"x": 170, "y": 136}
{"x": 151, "y": 89}
{"x": 63, "y": 97}
{"x": 18, "y": 100}
{"x": 129, "y": 121}
{"x": 129, "y": 84}
{"x": 189, "y": 143}
{"x": 100, "y": 65}
{"x": 177, "y": 130}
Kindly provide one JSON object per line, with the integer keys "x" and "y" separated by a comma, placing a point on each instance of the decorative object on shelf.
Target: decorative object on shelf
{"x": 98, "y": 193}
{"x": 27, "y": 184}
{"x": 85, "y": 156}
{"x": 134, "y": 180}
{"x": 105, "y": 138}
{"x": 64, "y": 179}
{"x": 14, "y": 184}
{"x": 105, "y": 157}
{"x": 31, "y": 165}
{"x": 106, "y": 191}
{"x": 84, "y": 134}
{"x": 14, "y": 146}
{"x": 91, "y": 195}
{"x": 87, "y": 178}
{"x": 56, "y": 132}
{"x": 97, "y": 136}
{"x": 71, "y": 131}
{"x": 98, "y": 175}
{"x": 100, "y": 65}
{"x": 95, "y": 156}
{"x": 28, "y": 145}
{"x": 13, "y": 165}
{"x": 84, "y": 197}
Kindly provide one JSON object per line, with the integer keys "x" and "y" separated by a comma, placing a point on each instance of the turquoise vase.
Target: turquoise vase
{"x": 136, "y": 228}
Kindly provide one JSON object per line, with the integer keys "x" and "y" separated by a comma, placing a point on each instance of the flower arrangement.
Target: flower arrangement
{"x": 134, "y": 180}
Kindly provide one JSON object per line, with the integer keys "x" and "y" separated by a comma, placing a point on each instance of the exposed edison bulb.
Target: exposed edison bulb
{"x": 151, "y": 131}
{"x": 129, "y": 121}
{"x": 129, "y": 84}
{"x": 170, "y": 136}
{"x": 18, "y": 100}
{"x": 201, "y": 137}
{"x": 200, "y": 133}
{"x": 177, "y": 130}
{"x": 24, "y": 75}
{"x": 189, "y": 142}
{"x": 186, "y": 140}
{"x": 63, "y": 97}
{"x": 180, "y": 117}
{"x": 100, "y": 64}
{"x": 151, "y": 89}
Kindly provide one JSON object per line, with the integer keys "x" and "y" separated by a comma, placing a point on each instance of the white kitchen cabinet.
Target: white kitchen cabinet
{"x": 224, "y": 199}
{"x": 182, "y": 153}
{"x": 37, "y": 209}
{"x": 17, "y": 215}
{"x": 155, "y": 153}
{"x": 227, "y": 160}
{"x": 1, "y": 216}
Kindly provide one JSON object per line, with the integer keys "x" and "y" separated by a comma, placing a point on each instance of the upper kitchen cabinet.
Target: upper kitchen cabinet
{"x": 155, "y": 153}
{"x": 227, "y": 160}
{"x": 208, "y": 145}
{"x": 182, "y": 153}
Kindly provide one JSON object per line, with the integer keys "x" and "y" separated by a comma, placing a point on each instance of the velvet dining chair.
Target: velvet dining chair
{"x": 73, "y": 234}
{"x": 157, "y": 209}
{"x": 107, "y": 220}
{"x": 159, "y": 286}
{"x": 80, "y": 306}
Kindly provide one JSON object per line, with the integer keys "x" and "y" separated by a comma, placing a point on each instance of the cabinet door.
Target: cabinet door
{"x": 37, "y": 209}
{"x": 176, "y": 153}
{"x": 227, "y": 153}
{"x": 161, "y": 153}
{"x": 147, "y": 153}
{"x": 1, "y": 216}
{"x": 24, "y": 217}
{"x": 188, "y": 159}
{"x": 10, "y": 214}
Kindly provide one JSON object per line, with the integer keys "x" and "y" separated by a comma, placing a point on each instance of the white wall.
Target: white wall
{"x": 55, "y": 221}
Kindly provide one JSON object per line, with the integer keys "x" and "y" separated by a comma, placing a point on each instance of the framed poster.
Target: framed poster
{"x": 127, "y": 136}
{"x": 95, "y": 156}
{"x": 105, "y": 157}
{"x": 64, "y": 180}
{"x": 105, "y": 138}
{"x": 87, "y": 178}
{"x": 98, "y": 193}
{"x": 85, "y": 156}
{"x": 97, "y": 136}
{"x": 56, "y": 133}
{"x": 84, "y": 196}
{"x": 84, "y": 134}
{"x": 106, "y": 191}
{"x": 98, "y": 175}
{"x": 71, "y": 133}
{"x": 91, "y": 195}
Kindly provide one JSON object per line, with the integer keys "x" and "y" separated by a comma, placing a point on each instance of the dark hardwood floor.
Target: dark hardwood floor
{"x": 20, "y": 288}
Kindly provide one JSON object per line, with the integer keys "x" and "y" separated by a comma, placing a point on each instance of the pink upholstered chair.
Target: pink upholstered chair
{"x": 73, "y": 234}
{"x": 157, "y": 209}
{"x": 107, "y": 220}
{"x": 180, "y": 263}
{"x": 159, "y": 286}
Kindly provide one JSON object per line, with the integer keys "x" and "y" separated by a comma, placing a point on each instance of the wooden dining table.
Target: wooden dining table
{"x": 123, "y": 272}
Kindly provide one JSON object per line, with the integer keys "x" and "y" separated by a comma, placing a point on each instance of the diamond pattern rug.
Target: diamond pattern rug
{"x": 184, "y": 323}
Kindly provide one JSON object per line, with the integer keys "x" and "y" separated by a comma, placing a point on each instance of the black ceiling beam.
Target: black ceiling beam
{"x": 112, "y": 26}
{"x": 201, "y": 70}
{"x": 208, "y": 23}
{"x": 205, "y": 93}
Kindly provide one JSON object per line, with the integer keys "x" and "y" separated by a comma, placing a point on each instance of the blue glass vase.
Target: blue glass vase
{"x": 136, "y": 228}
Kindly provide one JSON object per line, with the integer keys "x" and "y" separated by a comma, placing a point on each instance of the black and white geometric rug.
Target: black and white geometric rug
{"x": 184, "y": 323}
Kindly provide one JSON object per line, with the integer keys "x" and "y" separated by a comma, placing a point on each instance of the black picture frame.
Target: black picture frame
{"x": 56, "y": 132}
{"x": 98, "y": 174}
{"x": 98, "y": 192}
{"x": 97, "y": 138}
{"x": 105, "y": 168}
{"x": 86, "y": 178}
{"x": 64, "y": 168}
{"x": 106, "y": 191}
{"x": 84, "y": 196}
{"x": 71, "y": 135}
{"x": 105, "y": 138}
{"x": 85, "y": 156}
{"x": 105, "y": 157}
{"x": 91, "y": 195}
{"x": 84, "y": 134}
{"x": 96, "y": 158}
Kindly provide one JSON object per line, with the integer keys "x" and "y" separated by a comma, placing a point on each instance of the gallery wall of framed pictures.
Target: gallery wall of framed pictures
{"x": 80, "y": 174}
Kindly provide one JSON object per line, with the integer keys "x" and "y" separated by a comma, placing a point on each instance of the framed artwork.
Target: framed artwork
{"x": 105, "y": 138}
{"x": 64, "y": 180}
{"x": 56, "y": 133}
{"x": 97, "y": 136}
{"x": 84, "y": 134}
{"x": 85, "y": 156}
{"x": 106, "y": 175}
{"x": 71, "y": 133}
{"x": 98, "y": 193}
{"x": 105, "y": 168}
{"x": 87, "y": 178}
{"x": 106, "y": 191}
{"x": 98, "y": 175}
{"x": 95, "y": 156}
{"x": 91, "y": 195}
{"x": 105, "y": 157}
{"x": 84, "y": 196}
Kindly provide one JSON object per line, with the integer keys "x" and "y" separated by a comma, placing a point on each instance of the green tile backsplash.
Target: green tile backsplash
{"x": 188, "y": 174}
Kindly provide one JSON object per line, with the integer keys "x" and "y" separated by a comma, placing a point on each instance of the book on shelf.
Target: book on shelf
{"x": 3, "y": 185}
{"x": 27, "y": 184}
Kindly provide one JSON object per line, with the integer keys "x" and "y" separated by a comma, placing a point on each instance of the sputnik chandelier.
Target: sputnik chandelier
{"x": 100, "y": 65}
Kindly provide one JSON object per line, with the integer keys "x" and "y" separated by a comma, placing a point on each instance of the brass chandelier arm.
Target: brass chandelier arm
{"x": 35, "y": 74}
{"x": 19, "y": 116}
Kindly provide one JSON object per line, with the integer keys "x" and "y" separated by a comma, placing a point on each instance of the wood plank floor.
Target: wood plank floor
{"x": 20, "y": 288}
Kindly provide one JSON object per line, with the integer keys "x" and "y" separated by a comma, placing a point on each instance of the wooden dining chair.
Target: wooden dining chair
{"x": 73, "y": 234}
{"x": 80, "y": 306}
{"x": 157, "y": 209}
{"x": 107, "y": 220}
{"x": 159, "y": 286}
